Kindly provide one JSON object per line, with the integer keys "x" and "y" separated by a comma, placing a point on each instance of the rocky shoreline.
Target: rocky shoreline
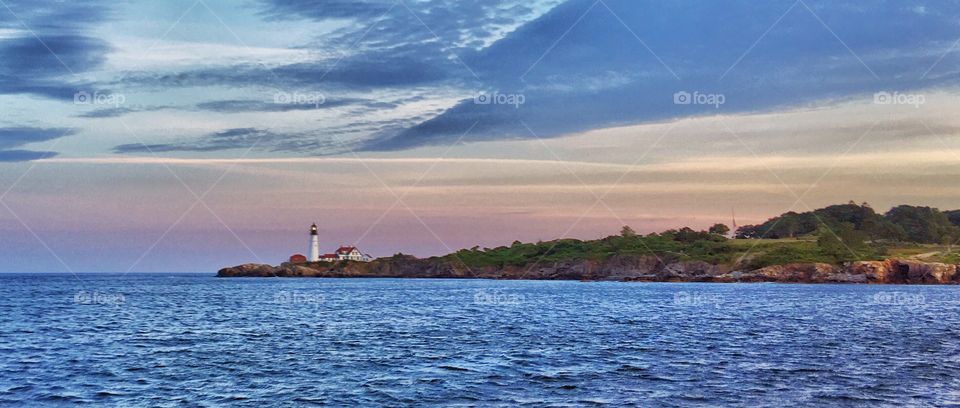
{"x": 618, "y": 268}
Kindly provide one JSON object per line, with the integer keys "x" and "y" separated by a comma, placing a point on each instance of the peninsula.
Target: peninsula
{"x": 848, "y": 243}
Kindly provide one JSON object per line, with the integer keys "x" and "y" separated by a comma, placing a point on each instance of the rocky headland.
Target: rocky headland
{"x": 618, "y": 268}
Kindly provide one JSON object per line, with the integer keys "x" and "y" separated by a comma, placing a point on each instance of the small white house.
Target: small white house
{"x": 350, "y": 253}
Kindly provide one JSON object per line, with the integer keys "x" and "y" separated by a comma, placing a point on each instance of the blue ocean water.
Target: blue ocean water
{"x": 197, "y": 340}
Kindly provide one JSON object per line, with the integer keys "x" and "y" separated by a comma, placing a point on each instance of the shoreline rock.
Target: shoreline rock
{"x": 618, "y": 268}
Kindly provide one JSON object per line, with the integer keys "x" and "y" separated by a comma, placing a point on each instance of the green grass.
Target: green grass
{"x": 784, "y": 252}
{"x": 670, "y": 247}
{"x": 711, "y": 249}
{"x": 950, "y": 258}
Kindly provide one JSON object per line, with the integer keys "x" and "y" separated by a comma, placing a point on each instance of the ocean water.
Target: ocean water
{"x": 197, "y": 340}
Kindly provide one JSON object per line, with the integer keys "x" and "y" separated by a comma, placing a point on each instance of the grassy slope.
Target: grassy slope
{"x": 750, "y": 253}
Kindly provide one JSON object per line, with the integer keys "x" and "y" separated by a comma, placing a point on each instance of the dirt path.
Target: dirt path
{"x": 925, "y": 255}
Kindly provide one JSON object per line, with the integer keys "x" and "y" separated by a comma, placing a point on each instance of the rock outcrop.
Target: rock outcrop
{"x": 618, "y": 268}
{"x": 249, "y": 270}
{"x": 906, "y": 271}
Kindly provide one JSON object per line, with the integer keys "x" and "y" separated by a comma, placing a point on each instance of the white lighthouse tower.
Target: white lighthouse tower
{"x": 314, "y": 245}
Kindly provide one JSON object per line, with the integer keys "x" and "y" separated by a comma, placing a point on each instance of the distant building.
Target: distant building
{"x": 350, "y": 253}
{"x": 298, "y": 259}
{"x": 344, "y": 253}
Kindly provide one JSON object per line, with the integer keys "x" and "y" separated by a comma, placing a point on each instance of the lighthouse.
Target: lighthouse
{"x": 314, "y": 244}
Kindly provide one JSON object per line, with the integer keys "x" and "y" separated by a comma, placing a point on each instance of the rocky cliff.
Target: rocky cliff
{"x": 619, "y": 268}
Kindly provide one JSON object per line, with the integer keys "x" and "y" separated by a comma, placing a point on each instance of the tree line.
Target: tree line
{"x": 903, "y": 223}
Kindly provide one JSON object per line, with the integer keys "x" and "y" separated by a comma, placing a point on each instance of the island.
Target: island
{"x": 848, "y": 243}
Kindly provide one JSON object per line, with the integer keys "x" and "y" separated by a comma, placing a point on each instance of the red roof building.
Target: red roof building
{"x": 351, "y": 253}
{"x": 328, "y": 257}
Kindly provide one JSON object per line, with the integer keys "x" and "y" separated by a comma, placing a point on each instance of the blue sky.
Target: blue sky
{"x": 176, "y": 92}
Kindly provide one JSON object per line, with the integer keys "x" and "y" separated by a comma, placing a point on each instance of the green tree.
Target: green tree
{"x": 719, "y": 229}
{"x": 953, "y": 216}
{"x": 790, "y": 225}
{"x": 922, "y": 224}
{"x": 627, "y": 232}
{"x": 842, "y": 243}
{"x": 828, "y": 242}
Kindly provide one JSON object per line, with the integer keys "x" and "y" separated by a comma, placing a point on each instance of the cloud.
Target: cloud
{"x": 12, "y": 137}
{"x": 52, "y": 16}
{"x": 451, "y": 23}
{"x": 331, "y": 141}
{"x": 385, "y": 45}
{"x": 48, "y": 45}
{"x": 51, "y": 55}
{"x": 587, "y": 65}
{"x": 107, "y": 113}
{"x": 578, "y": 65}
{"x": 501, "y": 122}
{"x": 224, "y": 140}
{"x": 357, "y": 73}
{"x": 284, "y": 102}
{"x": 330, "y": 9}
{"x": 18, "y": 136}
{"x": 244, "y": 138}
{"x": 7, "y": 156}
{"x": 45, "y": 66}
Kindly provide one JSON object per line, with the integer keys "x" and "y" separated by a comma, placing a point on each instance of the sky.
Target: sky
{"x": 191, "y": 135}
